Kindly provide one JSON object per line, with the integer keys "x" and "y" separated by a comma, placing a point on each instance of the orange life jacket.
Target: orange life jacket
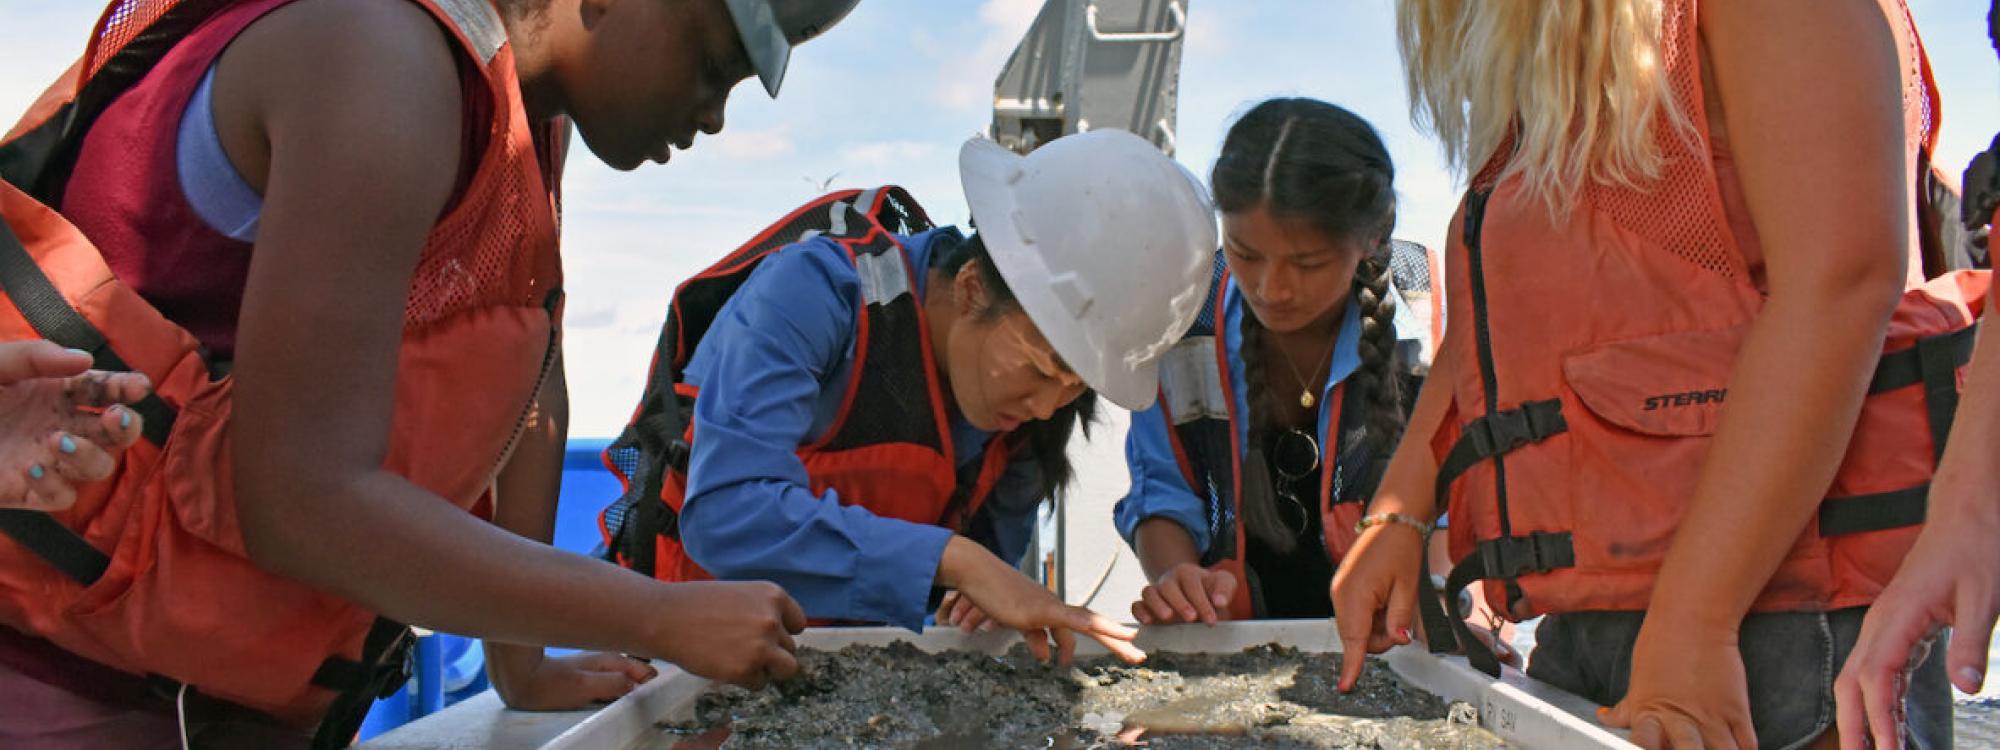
{"x": 147, "y": 573}
{"x": 895, "y": 461}
{"x": 1592, "y": 361}
{"x": 1198, "y": 401}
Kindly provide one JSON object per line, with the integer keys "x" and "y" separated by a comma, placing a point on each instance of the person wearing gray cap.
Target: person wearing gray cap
{"x": 327, "y": 415}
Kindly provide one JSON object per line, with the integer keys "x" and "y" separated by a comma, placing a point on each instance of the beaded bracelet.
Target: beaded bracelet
{"x": 1379, "y": 519}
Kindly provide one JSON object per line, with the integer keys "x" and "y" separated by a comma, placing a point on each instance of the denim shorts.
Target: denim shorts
{"x": 1789, "y": 659}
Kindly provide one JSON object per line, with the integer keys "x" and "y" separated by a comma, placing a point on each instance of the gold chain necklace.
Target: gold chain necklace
{"x": 1306, "y": 397}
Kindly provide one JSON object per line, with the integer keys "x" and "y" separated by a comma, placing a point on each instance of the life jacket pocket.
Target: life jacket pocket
{"x": 1641, "y": 413}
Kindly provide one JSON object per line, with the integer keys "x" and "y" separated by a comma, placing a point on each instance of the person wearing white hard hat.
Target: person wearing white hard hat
{"x": 393, "y": 354}
{"x": 869, "y": 416}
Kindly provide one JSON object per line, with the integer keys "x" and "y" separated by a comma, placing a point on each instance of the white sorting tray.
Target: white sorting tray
{"x": 1521, "y": 711}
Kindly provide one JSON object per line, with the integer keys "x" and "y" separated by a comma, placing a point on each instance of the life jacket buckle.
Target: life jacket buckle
{"x": 1502, "y": 432}
{"x": 677, "y": 453}
{"x": 1514, "y": 556}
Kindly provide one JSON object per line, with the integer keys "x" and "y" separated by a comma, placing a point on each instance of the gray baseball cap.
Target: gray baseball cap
{"x": 771, "y": 28}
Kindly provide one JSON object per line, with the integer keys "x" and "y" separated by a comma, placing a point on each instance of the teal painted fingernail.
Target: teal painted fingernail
{"x": 78, "y": 351}
{"x": 124, "y": 418}
{"x": 68, "y": 445}
{"x": 36, "y": 471}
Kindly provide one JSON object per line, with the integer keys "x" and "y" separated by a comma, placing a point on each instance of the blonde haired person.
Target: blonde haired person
{"x": 1681, "y": 383}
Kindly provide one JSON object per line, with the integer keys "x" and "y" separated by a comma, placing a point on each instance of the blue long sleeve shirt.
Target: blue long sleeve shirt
{"x": 772, "y": 370}
{"x": 1159, "y": 489}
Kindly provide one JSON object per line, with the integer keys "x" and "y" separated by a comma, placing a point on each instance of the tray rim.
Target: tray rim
{"x": 1518, "y": 709}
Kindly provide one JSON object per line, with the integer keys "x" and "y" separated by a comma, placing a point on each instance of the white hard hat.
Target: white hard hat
{"x": 771, "y": 28}
{"x": 1107, "y": 243}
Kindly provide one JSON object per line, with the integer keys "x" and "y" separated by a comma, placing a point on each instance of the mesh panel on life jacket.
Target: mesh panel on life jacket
{"x": 1410, "y": 264}
{"x": 1680, "y": 209}
{"x": 892, "y": 401}
{"x": 122, "y": 22}
{"x": 449, "y": 280}
{"x": 1204, "y": 323}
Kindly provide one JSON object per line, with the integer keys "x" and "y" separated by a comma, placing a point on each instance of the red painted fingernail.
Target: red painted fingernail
{"x": 1405, "y": 632}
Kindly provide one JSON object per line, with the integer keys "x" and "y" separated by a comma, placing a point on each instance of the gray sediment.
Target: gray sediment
{"x": 901, "y": 697}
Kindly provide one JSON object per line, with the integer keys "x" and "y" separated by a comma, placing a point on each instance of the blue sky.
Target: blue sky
{"x": 886, "y": 98}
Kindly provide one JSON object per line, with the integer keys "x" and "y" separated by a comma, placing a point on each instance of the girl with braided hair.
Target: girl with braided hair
{"x": 1246, "y": 487}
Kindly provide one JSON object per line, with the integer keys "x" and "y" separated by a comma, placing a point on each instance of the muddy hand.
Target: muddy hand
{"x": 740, "y": 633}
{"x": 1186, "y": 593}
{"x": 959, "y": 612}
{"x": 565, "y": 683}
{"x": 1009, "y": 598}
{"x": 60, "y": 424}
{"x": 1375, "y": 589}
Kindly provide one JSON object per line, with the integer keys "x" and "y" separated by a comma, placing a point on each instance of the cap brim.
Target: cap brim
{"x": 764, "y": 42}
{"x": 987, "y": 172}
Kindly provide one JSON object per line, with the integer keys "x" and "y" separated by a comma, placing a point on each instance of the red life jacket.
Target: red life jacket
{"x": 895, "y": 461}
{"x": 1592, "y": 361}
{"x": 1198, "y": 401}
{"x": 147, "y": 572}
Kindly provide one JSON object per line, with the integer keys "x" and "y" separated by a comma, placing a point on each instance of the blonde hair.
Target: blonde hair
{"x": 1575, "y": 85}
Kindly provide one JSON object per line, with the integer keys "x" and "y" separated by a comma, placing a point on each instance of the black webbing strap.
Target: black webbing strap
{"x": 44, "y": 307}
{"x": 382, "y": 670}
{"x": 1907, "y": 367}
{"x": 1939, "y": 358}
{"x": 1500, "y": 433}
{"x": 1506, "y": 558}
{"x": 1933, "y": 361}
{"x": 1894, "y": 509}
{"x": 61, "y": 548}
{"x": 1439, "y": 635}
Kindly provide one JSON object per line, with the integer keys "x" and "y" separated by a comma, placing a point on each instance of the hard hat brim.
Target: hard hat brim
{"x": 763, "y": 41}
{"x": 988, "y": 173}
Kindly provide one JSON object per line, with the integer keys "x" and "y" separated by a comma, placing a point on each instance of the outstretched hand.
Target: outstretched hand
{"x": 1010, "y": 599}
{"x": 1951, "y": 578}
{"x": 1375, "y": 590}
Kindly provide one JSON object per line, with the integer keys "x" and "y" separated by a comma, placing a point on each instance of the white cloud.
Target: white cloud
{"x": 1211, "y": 32}
{"x": 591, "y": 314}
{"x": 890, "y": 153}
{"x": 754, "y": 145}
{"x": 1010, "y": 15}
{"x": 965, "y": 76}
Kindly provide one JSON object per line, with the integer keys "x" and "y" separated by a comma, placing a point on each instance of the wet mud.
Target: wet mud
{"x": 900, "y": 697}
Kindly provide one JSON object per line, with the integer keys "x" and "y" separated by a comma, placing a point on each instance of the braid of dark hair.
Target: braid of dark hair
{"x": 1378, "y": 376}
{"x": 1257, "y": 511}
